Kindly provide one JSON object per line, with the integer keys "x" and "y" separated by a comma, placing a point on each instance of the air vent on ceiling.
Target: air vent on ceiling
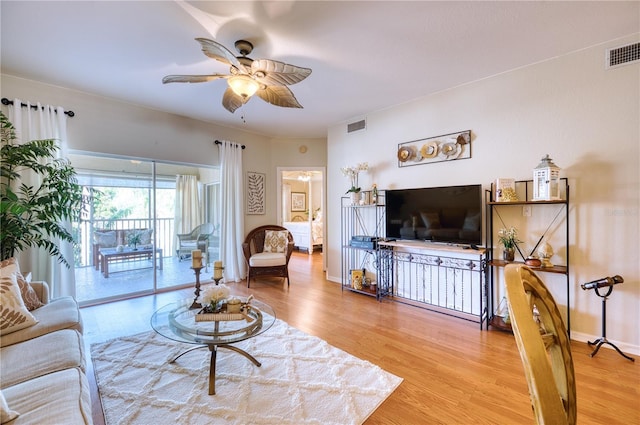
{"x": 623, "y": 55}
{"x": 356, "y": 126}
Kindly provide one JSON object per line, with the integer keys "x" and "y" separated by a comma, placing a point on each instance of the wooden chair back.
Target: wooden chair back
{"x": 544, "y": 346}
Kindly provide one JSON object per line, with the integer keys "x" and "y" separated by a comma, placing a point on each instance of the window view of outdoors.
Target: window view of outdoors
{"x": 128, "y": 238}
{"x": 130, "y": 208}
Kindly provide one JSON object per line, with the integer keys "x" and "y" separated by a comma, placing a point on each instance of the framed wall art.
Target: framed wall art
{"x": 256, "y": 193}
{"x": 447, "y": 147}
{"x": 298, "y": 201}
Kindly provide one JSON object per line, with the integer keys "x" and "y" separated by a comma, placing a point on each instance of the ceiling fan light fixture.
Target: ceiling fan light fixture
{"x": 265, "y": 77}
{"x": 243, "y": 85}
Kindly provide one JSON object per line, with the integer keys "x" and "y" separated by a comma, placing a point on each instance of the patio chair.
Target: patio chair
{"x": 544, "y": 345}
{"x": 198, "y": 238}
{"x": 267, "y": 250}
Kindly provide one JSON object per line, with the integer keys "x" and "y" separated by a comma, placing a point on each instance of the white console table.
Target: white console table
{"x": 444, "y": 278}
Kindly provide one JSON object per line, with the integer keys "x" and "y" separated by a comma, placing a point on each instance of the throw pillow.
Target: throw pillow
{"x": 105, "y": 239}
{"x": 28, "y": 294}
{"x": 13, "y": 314}
{"x": 275, "y": 240}
{"x": 431, "y": 220}
{"x": 6, "y": 414}
{"x": 145, "y": 236}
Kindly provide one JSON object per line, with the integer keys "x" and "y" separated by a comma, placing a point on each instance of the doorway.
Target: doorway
{"x": 301, "y": 205}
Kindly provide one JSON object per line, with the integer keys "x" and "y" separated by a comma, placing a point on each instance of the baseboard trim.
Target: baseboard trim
{"x": 625, "y": 348}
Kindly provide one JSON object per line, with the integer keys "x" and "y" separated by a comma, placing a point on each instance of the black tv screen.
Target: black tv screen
{"x": 451, "y": 214}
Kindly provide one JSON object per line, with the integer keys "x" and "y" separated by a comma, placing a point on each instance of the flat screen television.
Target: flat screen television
{"x": 451, "y": 214}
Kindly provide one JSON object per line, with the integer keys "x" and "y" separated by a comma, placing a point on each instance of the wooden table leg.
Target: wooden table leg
{"x": 105, "y": 266}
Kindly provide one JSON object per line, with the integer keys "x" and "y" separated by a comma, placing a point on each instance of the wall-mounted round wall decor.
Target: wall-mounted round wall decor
{"x": 429, "y": 150}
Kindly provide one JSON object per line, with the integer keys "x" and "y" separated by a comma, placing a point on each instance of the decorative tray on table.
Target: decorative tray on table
{"x": 184, "y": 319}
{"x": 227, "y": 310}
{"x": 232, "y": 309}
{"x": 203, "y": 316}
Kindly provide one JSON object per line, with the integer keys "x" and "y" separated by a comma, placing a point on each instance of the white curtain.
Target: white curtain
{"x": 45, "y": 122}
{"x": 232, "y": 212}
{"x": 187, "y": 205}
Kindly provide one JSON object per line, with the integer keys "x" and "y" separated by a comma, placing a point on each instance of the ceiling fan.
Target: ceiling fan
{"x": 266, "y": 78}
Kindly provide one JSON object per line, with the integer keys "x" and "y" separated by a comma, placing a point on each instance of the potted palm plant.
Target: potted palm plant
{"x": 33, "y": 214}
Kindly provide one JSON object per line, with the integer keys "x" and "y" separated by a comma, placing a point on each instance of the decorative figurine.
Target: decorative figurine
{"x": 546, "y": 252}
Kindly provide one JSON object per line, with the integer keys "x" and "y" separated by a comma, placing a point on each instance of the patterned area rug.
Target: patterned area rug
{"x": 302, "y": 380}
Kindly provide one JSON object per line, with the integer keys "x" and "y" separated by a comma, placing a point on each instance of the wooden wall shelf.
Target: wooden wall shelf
{"x": 554, "y": 269}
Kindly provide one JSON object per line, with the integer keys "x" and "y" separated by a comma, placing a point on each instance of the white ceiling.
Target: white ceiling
{"x": 365, "y": 55}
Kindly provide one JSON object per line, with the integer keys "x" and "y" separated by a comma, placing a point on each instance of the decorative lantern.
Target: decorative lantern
{"x": 546, "y": 181}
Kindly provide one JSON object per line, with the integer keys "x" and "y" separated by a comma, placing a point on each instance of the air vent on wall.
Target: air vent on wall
{"x": 356, "y": 126}
{"x": 623, "y": 55}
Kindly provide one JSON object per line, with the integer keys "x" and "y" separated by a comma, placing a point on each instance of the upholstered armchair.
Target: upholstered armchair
{"x": 267, "y": 250}
{"x": 198, "y": 238}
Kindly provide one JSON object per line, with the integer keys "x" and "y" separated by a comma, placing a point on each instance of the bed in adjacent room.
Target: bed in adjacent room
{"x": 307, "y": 235}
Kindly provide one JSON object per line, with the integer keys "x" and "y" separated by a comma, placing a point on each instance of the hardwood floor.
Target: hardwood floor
{"x": 454, "y": 373}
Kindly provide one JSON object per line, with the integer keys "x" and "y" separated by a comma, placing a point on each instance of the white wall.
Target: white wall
{"x": 585, "y": 117}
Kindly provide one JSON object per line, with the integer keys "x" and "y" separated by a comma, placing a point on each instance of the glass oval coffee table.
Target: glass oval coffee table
{"x": 177, "y": 321}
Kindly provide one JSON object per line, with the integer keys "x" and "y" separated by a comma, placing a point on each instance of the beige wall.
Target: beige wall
{"x": 287, "y": 153}
{"x": 106, "y": 126}
{"x": 585, "y": 117}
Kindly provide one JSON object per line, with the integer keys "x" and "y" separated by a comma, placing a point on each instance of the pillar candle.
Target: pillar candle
{"x": 217, "y": 270}
{"x": 196, "y": 258}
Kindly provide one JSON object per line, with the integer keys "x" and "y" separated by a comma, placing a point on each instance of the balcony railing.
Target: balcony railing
{"x": 162, "y": 235}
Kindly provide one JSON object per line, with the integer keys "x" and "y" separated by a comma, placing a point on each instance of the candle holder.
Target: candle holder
{"x": 195, "y": 303}
{"x": 217, "y": 271}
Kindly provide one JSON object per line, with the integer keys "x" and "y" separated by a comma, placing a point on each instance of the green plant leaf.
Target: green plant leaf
{"x": 32, "y": 215}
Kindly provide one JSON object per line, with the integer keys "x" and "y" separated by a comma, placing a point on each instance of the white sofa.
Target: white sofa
{"x": 42, "y": 367}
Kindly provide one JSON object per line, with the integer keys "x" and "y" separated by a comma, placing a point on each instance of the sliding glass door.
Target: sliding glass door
{"x": 128, "y": 242}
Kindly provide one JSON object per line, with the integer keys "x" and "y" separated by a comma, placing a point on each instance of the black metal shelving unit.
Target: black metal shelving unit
{"x": 523, "y": 187}
{"x": 367, "y": 220}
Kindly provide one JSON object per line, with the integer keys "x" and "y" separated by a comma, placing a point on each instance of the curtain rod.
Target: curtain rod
{"x": 218, "y": 142}
{"x": 6, "y": 101}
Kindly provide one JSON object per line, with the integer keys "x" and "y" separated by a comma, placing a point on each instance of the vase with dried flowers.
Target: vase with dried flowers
{"x": 353, "y": 172}
{"x": 508, "y": 238}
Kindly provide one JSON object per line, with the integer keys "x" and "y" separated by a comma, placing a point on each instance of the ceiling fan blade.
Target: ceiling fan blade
{"x": 220, "y": 53}
{"x": 278, "y": 73}
{"x": 232, "y": 101}
{"x": 279, "y": 96}
{"x": 192, "y": 78}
